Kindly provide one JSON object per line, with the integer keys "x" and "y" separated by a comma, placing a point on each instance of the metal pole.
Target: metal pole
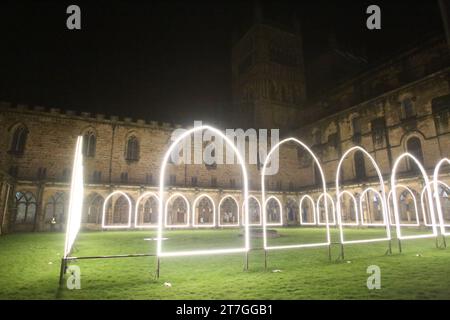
{"x": 5, "y": 209}
{"x": 246, "y": 261}
{"x": 390, "y": 247}
{"x": 399, "y": 246}
{"x": 444, "y": 241}
{"x": 62, "y": 271}
{"x": 342, "y": 251}
{"x": 265, "y": 259}
{"x": 157, "y": 268}
{"x": 329, "y": 252}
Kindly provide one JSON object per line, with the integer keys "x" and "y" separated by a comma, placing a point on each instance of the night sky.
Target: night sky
{"x": 167, "y": 60}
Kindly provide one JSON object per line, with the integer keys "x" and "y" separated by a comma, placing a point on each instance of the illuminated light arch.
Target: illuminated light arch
{"x": 263, "y": 195}
{"x": 75, "y": 199}
{"x": 188, "y": 211}
{"x": 311, "y": 200}
{"x": 416, "y": 208}
{"x": 259, "y": 211}
{"x": 355, "y": 207}
{"x": 136, "y": 214}
{"x": 361, "y": 211}
{"x": 180, "y": 138}
{"x": 437, "y": 198}
{"x": 194, "y": 213}
{"x": 422, "y": 201}
{"x": 395, "y": 199}
{"x": 105, "y": 203}
{"x": 383, "y": 198}
{"x": 237, "y": 208}
{"x": 333, "y": 210}
{"x": 280, "y": 223}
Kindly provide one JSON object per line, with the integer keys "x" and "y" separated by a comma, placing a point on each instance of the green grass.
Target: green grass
{"x": 29, "y": 267}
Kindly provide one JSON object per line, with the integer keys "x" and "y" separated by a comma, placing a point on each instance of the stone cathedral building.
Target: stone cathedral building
{"x": 396, "y": 106}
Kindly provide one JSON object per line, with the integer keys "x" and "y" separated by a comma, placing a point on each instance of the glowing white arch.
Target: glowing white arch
{"x": 246, "y": 214}
{"x": 415, "y": 207}
{"x": 437, "y": 199}
{"x": 333, "y": 208}
{"x": 188, "y": 211}
{"x": 383, "y": 198}
{"x": 148, "y": 194}
{"x": 395, "y": 199}
{"x": 237, "y": 208}
{"x": 194, "y": 206}
{"x": 422, "y": 201}
{"x": 180, "y": 138}
{"x": 125, "y": 226}
{"x": 263, "y": 195}
{"x": 361, "y": 199}
{"x": 355, "y": 207}
{"x": 280, "y": 223}
{"x": 300, "y": 206}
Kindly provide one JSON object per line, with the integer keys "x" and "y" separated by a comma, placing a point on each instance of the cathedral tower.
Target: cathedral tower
{"x": 268, "y": 77}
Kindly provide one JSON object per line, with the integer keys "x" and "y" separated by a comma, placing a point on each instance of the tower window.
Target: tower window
{"x": 441, "y": 110}
{"x": 356, "y": 125}
{"x": 13, "y": 171}
{"x": 132, "y": 151}
{"x": 149, "y": 178}
{"x": 378, "y": 131}
{"x": 18, "y": 141}
{"x": 65, "y": 174}
{"x": 89, "y": 144}
{"x": 360, "y": 166}
{"x": 124, "y": 177}
{"x": 194, "y": 181}
{"x": 408, "y": 108}
{"x": 414, "y": 147}
{"x": 97, "y": 176}
{"x": 42, "y": 173}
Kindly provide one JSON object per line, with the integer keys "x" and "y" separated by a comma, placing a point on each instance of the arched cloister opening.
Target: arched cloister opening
{"x": 274, "y": 211}
{"x": 117, "y": 209}
{"x": 146, "y": 211}
{"x": 228, "y": 212}
{"x": 204, "y": 212}
{"x": 177, "y": 211}
{"x": 307, "y": 210}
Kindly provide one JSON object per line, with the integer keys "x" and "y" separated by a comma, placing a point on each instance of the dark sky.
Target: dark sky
{"x": 168, "y": 60}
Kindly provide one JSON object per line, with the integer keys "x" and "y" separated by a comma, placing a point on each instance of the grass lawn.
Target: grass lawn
{"x": 29, "y": 267}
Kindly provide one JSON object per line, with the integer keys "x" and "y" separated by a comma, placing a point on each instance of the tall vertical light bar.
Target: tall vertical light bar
{"x": 76, "y": 199}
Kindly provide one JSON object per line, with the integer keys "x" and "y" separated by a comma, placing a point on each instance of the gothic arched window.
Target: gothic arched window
{"x": 121, "y": 210}
{"x": 89, "y": 144}
{"x": 360, "y": 166}
{"x": 19, "y": 140}
{"x": 55, "y": 208}
{"x": 414, "y": 147}
{"x": 132, "y": 151}
{"x": 26, "y": 208}
{"x": 408, "y": 108}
